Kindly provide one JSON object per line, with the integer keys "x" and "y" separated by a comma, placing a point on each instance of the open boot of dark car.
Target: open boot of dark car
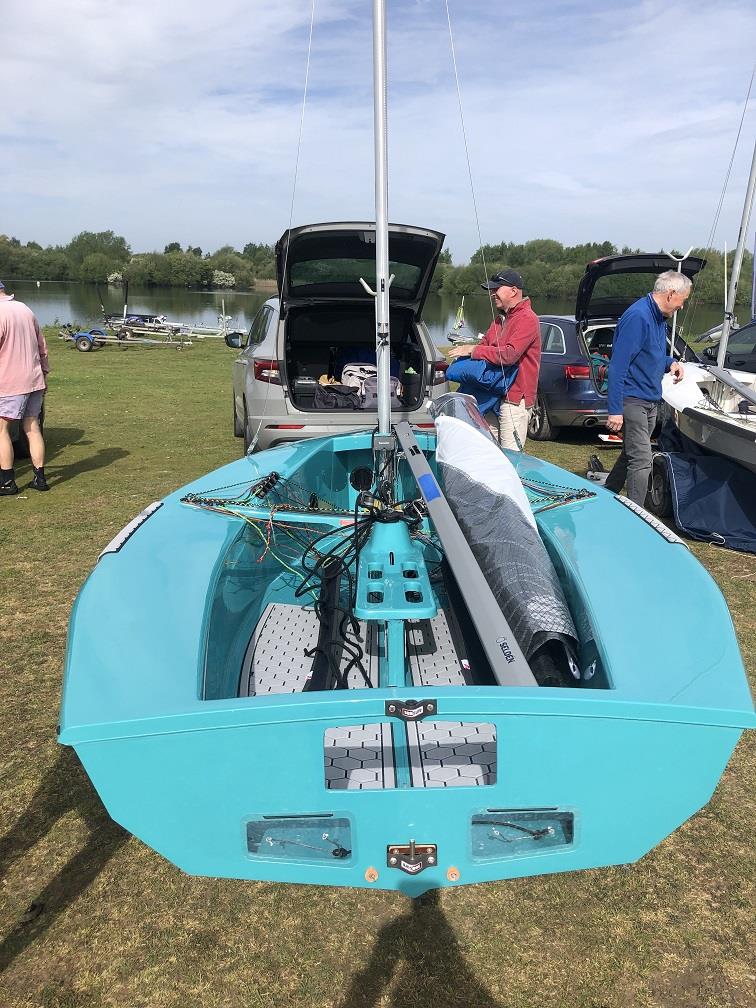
{"x": 576, "y": 352}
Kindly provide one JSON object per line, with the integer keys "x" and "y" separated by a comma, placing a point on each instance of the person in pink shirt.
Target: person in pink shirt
{"x": 23, "y": 383}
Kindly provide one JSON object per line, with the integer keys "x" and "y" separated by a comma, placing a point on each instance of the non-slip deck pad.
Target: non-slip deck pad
{"x": 432, "y": 656}
{"x": 276, "y": 662}
{"x": 441, "y": 754}
{"x": 452, "y": 753}
{"x": 359, "y": 757}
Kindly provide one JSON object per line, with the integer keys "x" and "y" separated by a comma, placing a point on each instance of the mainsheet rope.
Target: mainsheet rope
{"x": 691, "y": 312}
{"x": 253, "y": 440}
{"x": 466, "y": 146}
{"x": 505, "y": 401}
{"x": 301, "y": 125}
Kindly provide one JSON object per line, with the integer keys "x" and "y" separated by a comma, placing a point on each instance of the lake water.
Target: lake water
{"x": 55, "y": 303}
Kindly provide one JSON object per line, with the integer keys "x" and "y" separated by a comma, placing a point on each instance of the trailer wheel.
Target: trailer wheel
{"x": 659, "y": 499}
{"x": 84, "y": 343}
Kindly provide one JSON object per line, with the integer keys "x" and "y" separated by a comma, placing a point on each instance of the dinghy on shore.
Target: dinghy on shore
{"x": 329, "y": 692}
{"x": 400, "y": 659}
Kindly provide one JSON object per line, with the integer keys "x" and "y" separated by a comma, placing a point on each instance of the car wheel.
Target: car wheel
{"x": 238, "y": 427}
{"x": 21, "y": 442}
{"x": 659, "y": 497}
{"x": 84, "y": 344}
{"x": 540, "y": 427}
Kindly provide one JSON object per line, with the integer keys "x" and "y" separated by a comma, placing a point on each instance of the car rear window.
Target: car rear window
{"x": 319, "y": 273}
{"x": 629, "y": 285}
{"x": 600, "y": 339}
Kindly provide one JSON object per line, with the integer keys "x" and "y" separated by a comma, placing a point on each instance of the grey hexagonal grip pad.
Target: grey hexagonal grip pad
{"x": 431, "y": 653}
{"x": 452, "y": 753}
{"x": 359, "y": 757}
{"x": 275, "y": 661}
{"x": 441, "y": 753}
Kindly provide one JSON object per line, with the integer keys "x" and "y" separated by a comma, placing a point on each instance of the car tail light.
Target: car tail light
{"x": 577, "y": 371}
{"x": 267, "y": 371}
{"x": 284, "y": 426}
{"x": 439, "y": 372}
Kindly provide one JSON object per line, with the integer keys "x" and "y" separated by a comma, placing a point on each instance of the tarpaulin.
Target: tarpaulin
{"x": 713, "y": 498}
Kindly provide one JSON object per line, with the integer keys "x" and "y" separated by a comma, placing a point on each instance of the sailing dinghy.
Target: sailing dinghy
{"x": 400, "y": 659}
{"x": 713, "y": 406}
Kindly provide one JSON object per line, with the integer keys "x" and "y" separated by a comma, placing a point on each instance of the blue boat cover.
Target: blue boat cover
{"x": 486, "y": 382}
{"x": 713, "y": 498}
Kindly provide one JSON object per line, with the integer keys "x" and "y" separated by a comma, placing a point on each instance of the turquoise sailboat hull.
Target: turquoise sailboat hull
{"x": 190, "y": 704}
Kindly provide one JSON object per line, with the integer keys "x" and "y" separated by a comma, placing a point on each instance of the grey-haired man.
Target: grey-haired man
{"x": 639, "y": 362}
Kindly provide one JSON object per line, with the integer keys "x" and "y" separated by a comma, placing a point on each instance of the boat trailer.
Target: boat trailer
{"x": 91, "y": 339}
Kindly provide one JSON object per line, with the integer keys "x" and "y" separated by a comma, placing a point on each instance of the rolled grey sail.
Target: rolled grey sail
{"x": 490, "y": 505}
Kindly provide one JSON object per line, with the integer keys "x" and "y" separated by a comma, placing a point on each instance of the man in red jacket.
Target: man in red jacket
{"x": 514, "y": 337}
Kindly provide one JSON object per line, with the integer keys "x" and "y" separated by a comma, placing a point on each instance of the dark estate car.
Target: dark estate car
{"x": 741, "y": 349}
{"x": 575, "y": 351}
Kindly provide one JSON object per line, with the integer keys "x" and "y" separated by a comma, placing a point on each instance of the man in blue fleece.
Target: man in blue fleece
{"x": 639, "y": 361}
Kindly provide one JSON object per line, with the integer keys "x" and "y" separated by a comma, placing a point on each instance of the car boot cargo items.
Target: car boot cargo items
{"x": 336, "y": 397}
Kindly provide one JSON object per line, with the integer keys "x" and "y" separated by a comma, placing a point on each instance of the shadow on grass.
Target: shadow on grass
{"x": 103, "y": 458}
{"x": 65, "y": 787}
{"x": 58, "y": 438}
{"x": 433, "y": 970}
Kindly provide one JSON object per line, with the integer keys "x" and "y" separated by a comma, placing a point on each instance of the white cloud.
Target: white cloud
{"x": 179, "y": 121}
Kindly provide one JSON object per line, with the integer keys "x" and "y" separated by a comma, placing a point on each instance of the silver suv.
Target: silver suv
{"x": 324, "y": 320}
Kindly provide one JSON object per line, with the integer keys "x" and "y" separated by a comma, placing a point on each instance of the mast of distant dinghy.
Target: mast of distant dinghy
{"x": 737, "y": 262}
{"x": 679, "y": 260}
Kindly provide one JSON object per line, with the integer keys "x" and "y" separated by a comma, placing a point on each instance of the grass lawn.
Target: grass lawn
{"x": 91, "y": 917}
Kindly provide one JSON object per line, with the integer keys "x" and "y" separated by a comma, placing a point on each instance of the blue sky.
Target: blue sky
{"x": 178, "y": 120}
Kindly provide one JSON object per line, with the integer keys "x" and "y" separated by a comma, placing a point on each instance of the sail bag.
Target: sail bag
{"x": 492, "y": 508}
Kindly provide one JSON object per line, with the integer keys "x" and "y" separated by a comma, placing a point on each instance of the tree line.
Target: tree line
{"x": 550, "y": 269}
{"x": 553, "y": 270}
{"x": 106, "y": 257}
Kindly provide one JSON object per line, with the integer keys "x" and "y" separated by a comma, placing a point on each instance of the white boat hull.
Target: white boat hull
{"x": 707, "y": 412}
